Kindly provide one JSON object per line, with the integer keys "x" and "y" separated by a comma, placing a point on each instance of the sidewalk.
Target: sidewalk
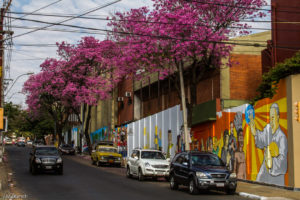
{"x": 258, "y": 191}
{"x": 8, "y": 189}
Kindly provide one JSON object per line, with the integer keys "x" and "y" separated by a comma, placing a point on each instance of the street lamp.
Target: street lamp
{"x": 28, "y": 73}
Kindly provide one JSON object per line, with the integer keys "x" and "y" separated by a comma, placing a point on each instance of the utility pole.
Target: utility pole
{"x": 3, "y": 11}
{"x": 2, "y": 33}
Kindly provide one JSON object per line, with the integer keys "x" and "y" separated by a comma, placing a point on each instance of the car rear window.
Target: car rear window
{"x": 206, "y": 160}
{"x": 46, "y": 151}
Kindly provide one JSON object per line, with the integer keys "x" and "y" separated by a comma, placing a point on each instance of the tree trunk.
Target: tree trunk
{"x": 59, "y": 133}
{"x": 184, "y": 111}
{"x": 86, "y": 129}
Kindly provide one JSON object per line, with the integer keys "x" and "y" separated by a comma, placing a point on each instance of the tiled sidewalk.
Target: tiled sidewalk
{"x": 270, "y": 192}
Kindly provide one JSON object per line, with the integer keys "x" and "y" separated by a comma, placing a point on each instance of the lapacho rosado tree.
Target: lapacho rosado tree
{"x": 83, "y": 75}
{"x": 181, "y": 38}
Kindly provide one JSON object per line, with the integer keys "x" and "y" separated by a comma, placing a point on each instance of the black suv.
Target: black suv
{"x": 45, "y": 158}
{"x": 201, "y": 170}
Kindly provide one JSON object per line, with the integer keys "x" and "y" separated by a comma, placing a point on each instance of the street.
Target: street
{"x": 81, "y": 180}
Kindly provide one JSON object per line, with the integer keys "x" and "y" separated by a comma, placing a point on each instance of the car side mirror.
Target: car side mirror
{"x": 185, "y": 163}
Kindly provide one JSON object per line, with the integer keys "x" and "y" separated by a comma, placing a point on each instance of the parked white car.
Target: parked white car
{"x": 147, "y": 163}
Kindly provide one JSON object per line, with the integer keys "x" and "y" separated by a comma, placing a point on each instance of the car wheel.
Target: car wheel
{"x": 173, "y": 183}
{"x": 60, "y": 171}
{"x": 140, "y": 175}
{"x": 192, "y": 187}
{"x": 93, "y": 162}
{"x": 128, "y": 173}
{"x": 98, "y": 163}
{"x": 33, "y": 170}
{"x": 230, "y": 191}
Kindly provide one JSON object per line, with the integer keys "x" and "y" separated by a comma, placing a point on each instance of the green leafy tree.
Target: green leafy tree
{"x": 268, "y": 88}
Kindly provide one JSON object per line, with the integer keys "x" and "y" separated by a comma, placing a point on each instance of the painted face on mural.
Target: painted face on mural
{"x": 274, "y": 120}
{"x": 231, "y": 128}
{"x": 241, "y": 140}
{"x": 226, "y": 140}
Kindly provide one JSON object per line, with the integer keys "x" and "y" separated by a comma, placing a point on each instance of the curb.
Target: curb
{"x": 257, "y": 197}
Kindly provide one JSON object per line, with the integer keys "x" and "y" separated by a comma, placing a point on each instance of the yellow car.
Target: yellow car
{"x": 105, "y": 154}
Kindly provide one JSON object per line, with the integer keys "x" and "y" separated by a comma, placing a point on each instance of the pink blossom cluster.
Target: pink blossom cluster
{"x": 173, "y": 33}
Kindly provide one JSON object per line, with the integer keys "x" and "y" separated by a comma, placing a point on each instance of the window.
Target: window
{"x": 152, "y": 155}
{"x": 206, "y": 160}
{"x": 179, "y": 159}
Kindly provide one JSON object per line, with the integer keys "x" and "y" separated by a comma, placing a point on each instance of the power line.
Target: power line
{"x": 71, "y": 18}
{"x": 142, "y": 35}
{"x": 110, "y": 19}
{"x": 61, "y": 30}
{"x": 243, "y": 7}
{"x": 30, "y": 13}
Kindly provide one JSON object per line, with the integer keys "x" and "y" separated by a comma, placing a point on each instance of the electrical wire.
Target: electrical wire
{"x": 71, "y": 18}
{"x": 31, "y": 13}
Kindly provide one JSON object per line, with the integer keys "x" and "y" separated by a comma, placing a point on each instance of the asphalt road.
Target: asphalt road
{"x": 83, "y": 181}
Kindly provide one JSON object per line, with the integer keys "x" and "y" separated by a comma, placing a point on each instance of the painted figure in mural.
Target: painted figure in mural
{"x": 274, "y": 142}
{"x": 209, "y": 144}
{"x": 202, "y": 145}
{"x": 216, "y": 148}
{"x": 231, "y": 147}
{"x": 239, "y": 157}
{"x": 170, "y": 144}
{"x": 231, "y": 136}
{"x": 224, "y": 152}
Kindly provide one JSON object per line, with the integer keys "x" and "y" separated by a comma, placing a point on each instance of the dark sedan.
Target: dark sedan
{"x": 21, "y": 144}
{"x": 45, "y": 158}
{"x": 66, "y": 149}
{"x": 200, "y": 171}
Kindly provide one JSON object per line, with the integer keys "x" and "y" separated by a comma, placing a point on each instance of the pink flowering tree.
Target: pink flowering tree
{"x": 182, "y": 39}
{"x": 82, "y": 76}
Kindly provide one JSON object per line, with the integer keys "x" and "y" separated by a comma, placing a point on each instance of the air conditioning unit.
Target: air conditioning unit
{"x": 120, "y": 98}
{"x": 127, "y": 94}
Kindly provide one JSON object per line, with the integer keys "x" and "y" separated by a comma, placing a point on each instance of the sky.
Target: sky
{"x": 26, "y": 56}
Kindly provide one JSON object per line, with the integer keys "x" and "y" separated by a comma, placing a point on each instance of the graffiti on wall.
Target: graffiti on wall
{"x": 250, "y": 140}
{"x": 117, "y": 135}
{"x": 158, "y": 131}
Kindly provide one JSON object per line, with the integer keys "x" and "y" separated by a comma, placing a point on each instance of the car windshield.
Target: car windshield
{"x": 206, "y": 160}
{"x": 107, "y": 149}
{"x": 46, "y": 151}
{"x": 152, "y": 155}
{"x": 66, "y": 145}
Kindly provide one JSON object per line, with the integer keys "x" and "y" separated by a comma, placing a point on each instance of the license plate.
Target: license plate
{"x": 111, "y": 161}
{"x": 160, "y": 173}
{"x": 48, "y": 167}
{"x": 220, "y": 184}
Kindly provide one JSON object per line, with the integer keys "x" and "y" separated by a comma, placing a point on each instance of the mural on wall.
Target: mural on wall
{"x": 118, "y": 136}
{"x": 158, "y": 131}
{"x": 250, "y": 140}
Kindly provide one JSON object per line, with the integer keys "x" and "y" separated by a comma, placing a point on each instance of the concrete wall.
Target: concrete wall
{"x": 293, "y": 95}
{"x": 157, "y": 131}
